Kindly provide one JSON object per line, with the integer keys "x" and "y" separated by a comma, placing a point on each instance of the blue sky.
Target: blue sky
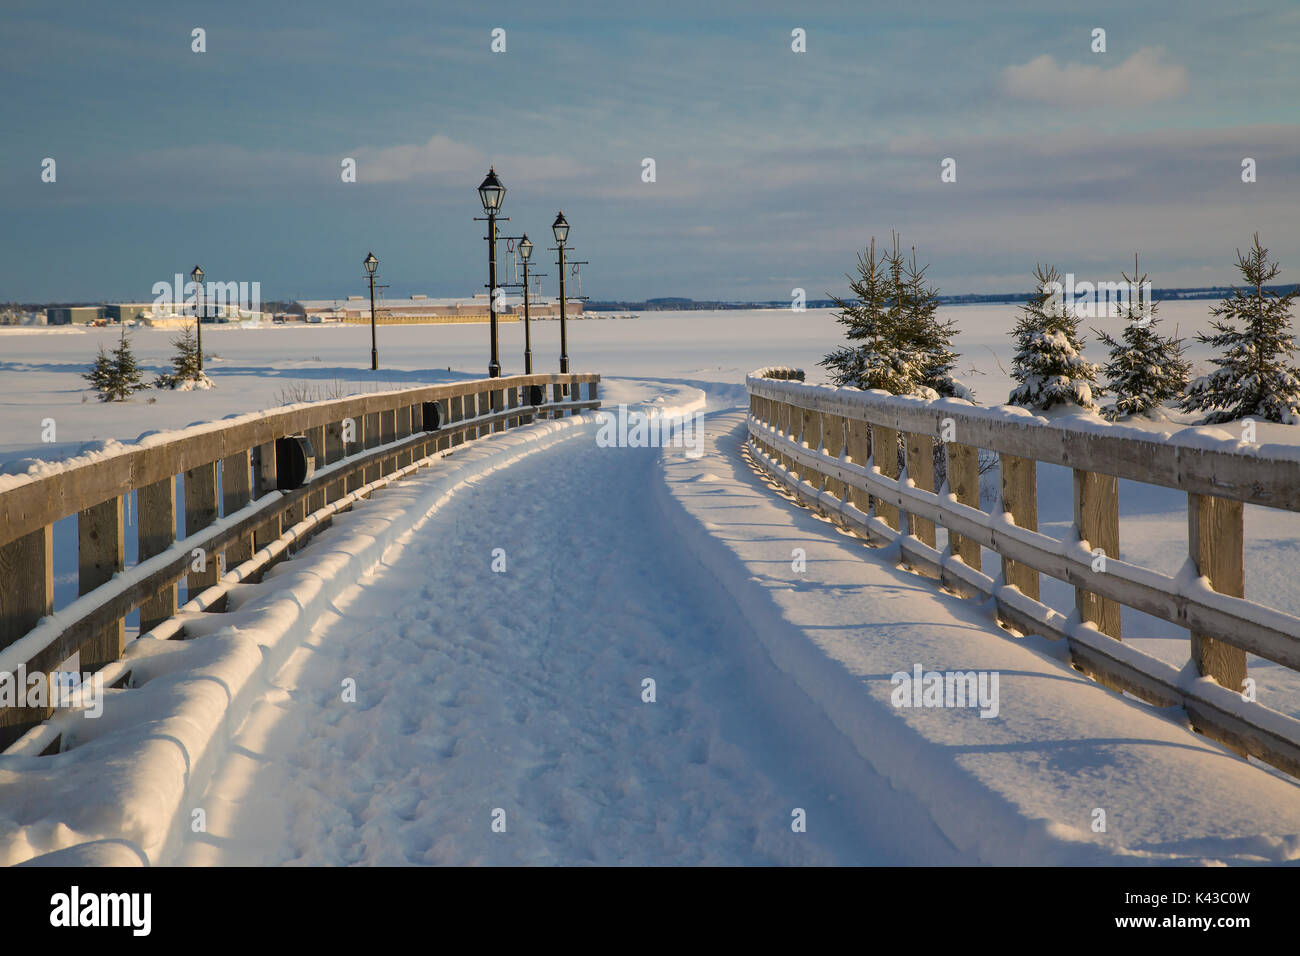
{"x": 773, "y": 168}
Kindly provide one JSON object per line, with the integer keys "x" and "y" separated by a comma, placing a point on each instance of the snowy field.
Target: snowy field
{"x": 267, "y": 367}
{"x": 521, "y": 690}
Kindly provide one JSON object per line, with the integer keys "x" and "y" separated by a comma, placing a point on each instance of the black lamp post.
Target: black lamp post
{"x": 197, "y": 277}
{"x": 492, "y": 194}
{"x": 560, "y": 228}
{"x": 371, "y": 264}
{"x": 526, "y": 253}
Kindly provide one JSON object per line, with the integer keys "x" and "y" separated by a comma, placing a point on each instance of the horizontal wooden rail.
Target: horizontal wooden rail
{"x": 1250, "y": 476}
{"x": 387, "y": 433}
{"x": 803, "y": 437}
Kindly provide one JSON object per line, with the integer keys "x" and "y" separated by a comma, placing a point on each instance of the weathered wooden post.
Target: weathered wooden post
{"x": 264, "y": 484}
{"x": 512, "y": 402}
{"x": 1216, "y": 542}
{"x": 859, "y": 441}
{"x": 964, "y": 484}
{"x": 316, "y": 438}
{"x": 1096, "y": 523}
{"x": 784, "y": 417}
{"x": 1020, "y": 502}
{"x": 236, "y": 491}
{"x": 557, "y": 395}
{"x": 372, "y": 440}
{"x": 27, "y": 569}
{"x": 402, "y": 429}
{"x": 387, "y": 435}
{"x": 155, "y": 532}
{"x": 101, "y": 553}
{"x": 811, "y": 436}
{"x": 456, "y": 413}
{"x": 356, "y": 479}
{"x": 884, "y": 444}
{"x": 335, "y": 450}
{"x": 833, "y": 444}
{"x": 919, "y": 451}
{"x": 201, "y": 511}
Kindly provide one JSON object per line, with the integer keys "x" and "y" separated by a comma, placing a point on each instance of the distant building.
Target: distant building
{"x": 150, "y": 313}
{"x": 74, "y": 315}
{"x": 420, "y": 309}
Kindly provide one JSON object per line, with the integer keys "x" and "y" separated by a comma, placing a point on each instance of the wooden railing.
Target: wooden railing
{"x": 816, "y": 441}
{"x": 231, "y": 509}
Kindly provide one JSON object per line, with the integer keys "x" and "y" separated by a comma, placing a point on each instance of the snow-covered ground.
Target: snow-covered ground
{"x": 522, "y": 690}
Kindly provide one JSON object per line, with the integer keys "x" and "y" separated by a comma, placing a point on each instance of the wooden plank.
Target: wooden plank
{"x": 372, "y": 440}
{"x": 27, "y": 570}
{"x": 155, "y": 532}
{"x": 236, "y": 491}
{"x": 512, "y": 401}
{"x": 832, "y": 427}
{"x": 1020, "y": 502}
{"x": 1217, "y": 545}
{"x": 557, "y": 395}
{"x": 919, "y": 450}
{"x": 335, "y": 450}
{"x": 884, "y": 444}
{"x": 964, "y": 484}
{"x": 316, "y": 438}
{"x": 101, "y": 553}
{"x": 811, "y": 435}
{"x": 790, "y": 420}
{"x": 859, "y": 451}
{"x": 456, "y": 413}
{"x": 201, "y": 511}
{"x": 1096, "y": 522}
{"x": 263, "y": 484}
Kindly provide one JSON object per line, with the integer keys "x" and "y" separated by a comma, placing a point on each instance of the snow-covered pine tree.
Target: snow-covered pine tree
{"x": 100, "y": 372}
{"x": 1255, "y": 376}
{"x": 1145, "y": 369}
{"x": 1049, "y": 362}
{"x": 926, "y": 333}
{"x": 879, "y": 359}
{"x": 120, "y": 376}
{"x": 186, "y": 372}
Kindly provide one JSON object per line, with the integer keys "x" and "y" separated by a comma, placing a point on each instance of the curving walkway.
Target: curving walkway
{"x": 521, "y": 691}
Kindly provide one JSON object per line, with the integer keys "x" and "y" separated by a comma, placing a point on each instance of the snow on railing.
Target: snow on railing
{"x": 817, "y": 441}
{"x": 233, "y": 507}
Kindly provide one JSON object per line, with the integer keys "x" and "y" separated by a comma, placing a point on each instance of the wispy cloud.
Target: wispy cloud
{"x": 1145, "y": 77}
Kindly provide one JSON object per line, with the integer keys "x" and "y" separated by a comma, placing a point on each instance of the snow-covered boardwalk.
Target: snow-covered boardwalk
{"x": 466, "y": 684}
{"x": 520, "y": 691}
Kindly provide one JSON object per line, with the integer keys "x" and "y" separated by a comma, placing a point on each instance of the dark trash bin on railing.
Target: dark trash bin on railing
{"x": 295, "y": 462}
{"x": 433, "y": 416}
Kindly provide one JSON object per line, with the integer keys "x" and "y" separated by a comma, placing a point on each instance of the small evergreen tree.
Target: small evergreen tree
{"x": 925, "y": 333}
{"x": 1049, "y": 362}
{"x": 904, "y": 348}
{"x": 872, "y": 321}
{"x": 100, "y": 373}
{"x": 186, "y": 372}
{"x": 1254, "y": 376}
{"x": 1145, "y": 368}
{"x": 116, "y": 376}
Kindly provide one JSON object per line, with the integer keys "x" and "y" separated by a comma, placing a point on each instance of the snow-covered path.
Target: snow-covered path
{"x": 521, "y": 690}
